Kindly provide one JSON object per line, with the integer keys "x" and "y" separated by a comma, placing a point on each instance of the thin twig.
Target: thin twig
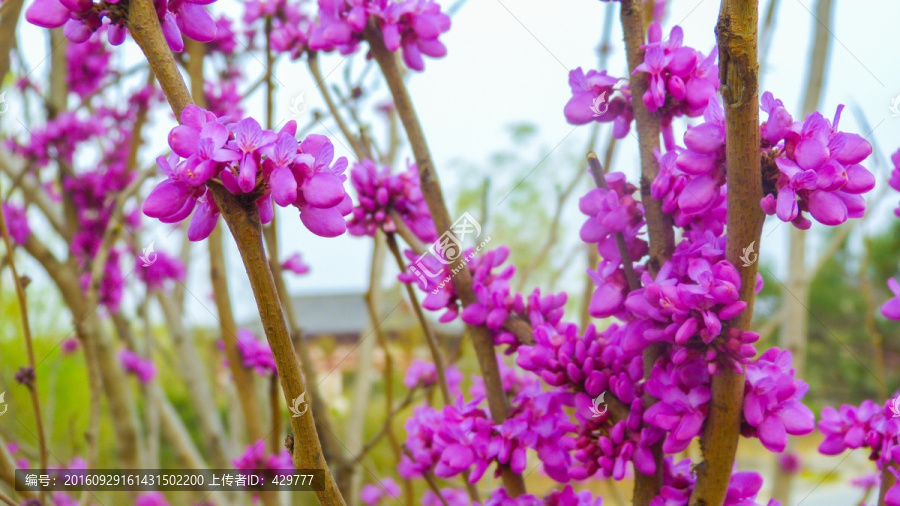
{"x": 627, "y": 263}
{"x": 243, "y": 220}
{"x": 430, "y": 339}
{"x": 29, "y": 344}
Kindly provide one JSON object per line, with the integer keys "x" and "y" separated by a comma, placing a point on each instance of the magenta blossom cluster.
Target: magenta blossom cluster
{"x": 691, "y": 180}
{"x": 433, "y": 277}
{"x": 255, "y": 353}
{"x": 422, "y": 373}
{"x": 58, "y": 139}
{"x": 372, "y": 494}
{"x": 381, "y": 193}
{"x": 162, "y": 269}
{"x": 255, "y": 460}
{"x": 612, "y": 211}
{"x": 875, "y": 427}
{"x": 564, "y": 497}
{"x": 88, "y": 66}
{"x": 687, "y": 304}
{"x": 290, "y": 25}
{"x": 597, "y": 96}
{"x": 679, "y": 478}
{"x": 772, "y": 401}
{"x": 818, "y": 167}
{"x": 295, "y": 264}
{"x": 16, "y": 222}
{"x": 681, "y": 79}
{"x": 81, "y": 18}
{"x": 684, "y": 393}
{"x": 413, "y": 26}
{"x": 248, "y": 160}
{"x": 894, "y": 180}
{"x": 142, "y": 368}
{"x": 463, "y": 437}
{"x": 92, "y": 190}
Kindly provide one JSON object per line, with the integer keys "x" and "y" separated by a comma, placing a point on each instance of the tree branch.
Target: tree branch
{"x": 736, "y": 33}
{"x": 243, "y": 221}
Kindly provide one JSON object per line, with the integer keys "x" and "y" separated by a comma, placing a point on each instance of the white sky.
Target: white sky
{"x": 508, "y": 62}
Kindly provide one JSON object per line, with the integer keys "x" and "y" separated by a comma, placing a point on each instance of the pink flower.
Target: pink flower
{"x": 69, "y": 345}
{"x": 372, "y": 494}
{"x": 772, "y": 401}
{"x": 381, "y": 192}
{"x": 414, "y": 26}
{"x": 295, "y": 264}
{"x": 163, "y": 269}
{"x": 81, "y": 18}
{"x": 245, "y": 158}
{"x": 16, "y": 222}
{"x": 256, "y": 354}
{"x": 820, "y": 171}
{"x": 593, "y": 100}
{"x": 891, "y": 308}
{"x": 143, "y": 369}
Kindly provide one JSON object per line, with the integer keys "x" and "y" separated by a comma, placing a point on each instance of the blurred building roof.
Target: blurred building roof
{"x": 345, "y": 316}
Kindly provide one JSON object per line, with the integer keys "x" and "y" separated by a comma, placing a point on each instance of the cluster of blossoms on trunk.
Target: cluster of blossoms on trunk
{"x": 380, "y": 193}
{"x": 875, "y": 427}
{"x": 81, "y": 18}
{"x": 411, "y": 26}
{"x": 681, "y": 82}
{"x": 253, "y": 162}
{"x": 463, "y": 438}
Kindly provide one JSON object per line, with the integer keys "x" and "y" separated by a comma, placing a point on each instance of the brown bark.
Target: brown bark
{"x": 736, "y": 33}
{"x": 243, "y": 221}
{"x": 888, "y": 480}
{"x": 9, "y": 18}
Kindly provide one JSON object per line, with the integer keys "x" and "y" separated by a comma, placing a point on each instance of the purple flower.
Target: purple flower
{"x": 163, "y": 269}
{"x": 790, "y": 462}
{"x": 372, "y": 494}
{"x": 255, "y": 353}
{"x": 69, "y": 345}
{"x": 256, "y": 461}
{"x": 820, "y": 170}
{"x": 16, "y": 222}
{"x": 380, "y": 192}
{"x": 453, "y": 497}
{"x": 684, "y": 393}
{"x": 295, "y": 264}
{"x": 891, "y": 308}
{"x": 681, "y": 79}
{"x": 848, "y": 426}
{"x": 772, "y": 401}
{"x": 414, "y": 26}
{"x": 81, "y": 18}
{"x": 248, "y": 159}
{"x": 593, "y": 100}
{"x": 143, "y": 369}
{"x": 424, "y": 373}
